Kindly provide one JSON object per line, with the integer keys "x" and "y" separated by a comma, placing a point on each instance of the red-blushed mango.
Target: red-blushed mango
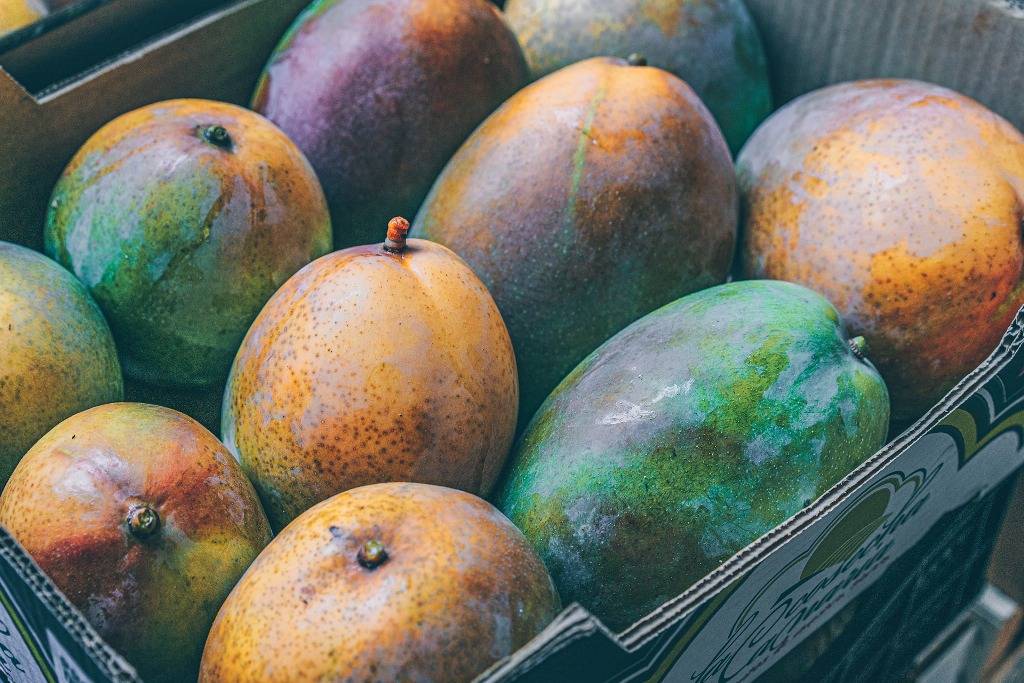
{"x": 15, "y": 14}
{"x": 144, "y": 521}
{"x": 376, "y": 363}
{"x": 380, "y": 93}
{"x": 903, "y": 203}
{"x": 587, "y": 200}
{"x": 713, "y": 45}
{"x": 57, "y": 356}
{"x": 182, "y": 218}
{"x": 390, "y": 582}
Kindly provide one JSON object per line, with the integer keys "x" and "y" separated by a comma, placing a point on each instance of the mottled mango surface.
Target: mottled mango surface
{"x": 182, "y": 218}
{"x": 713, "y": 45}
{"x": 144, "y": 521}
{"x": 903, "y": 203}
{"x": 15, "y": 14}
{"x": 588, "y": 199}
{"x": 370, "y": 366}
{"x": 391, "y": 582}
{"x": 57, "y": 356}
{"x": 685, "y": 437}
{"x": 380, "y": 93}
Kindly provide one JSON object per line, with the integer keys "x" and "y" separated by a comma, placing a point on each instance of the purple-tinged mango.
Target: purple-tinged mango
{"x": 688, "y": 435}
{"x": 713, "y": 45}
{"x": 380, "y": 93}
{"x": 182, "y": 218}
{"x": 390, "y": 582}
{"x": 587, "y": 200}
{"x": 144, "y": 521}
{"x": 57, "y": 356}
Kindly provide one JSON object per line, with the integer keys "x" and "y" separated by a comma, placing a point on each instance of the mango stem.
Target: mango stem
{"x": 143, "y": 521}
{"x": 398, "y": 229}
{"x": 859, "y": 346}
{"x": 216, "y": 135}
{"x": 372, "y": 554}
{"x": 636, "y": 59}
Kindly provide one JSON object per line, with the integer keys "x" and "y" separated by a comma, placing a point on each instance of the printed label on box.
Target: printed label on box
{"x": 795, "y": 591}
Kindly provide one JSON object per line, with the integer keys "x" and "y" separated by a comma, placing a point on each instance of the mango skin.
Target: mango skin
{"x": 367, "y": 367}
{"x": 587, "y": 200}
{"x": 152, "y": 599}
{"x": 685, "y": 437}
{"x": 460, "y": 589}
{"x": 380, "y": 93}
{"x": 713, "y": 45}
{"x": 57, "y": 355}
{"x": 903, "y": 203}
{"x": 181, "y": 241}
{"x": 15, "y": 14}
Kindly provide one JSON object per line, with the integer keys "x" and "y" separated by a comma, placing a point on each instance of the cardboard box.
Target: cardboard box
{"x": 851, "y": 588}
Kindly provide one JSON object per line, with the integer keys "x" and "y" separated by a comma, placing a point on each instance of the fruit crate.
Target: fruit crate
{"x": 851, "y": 588}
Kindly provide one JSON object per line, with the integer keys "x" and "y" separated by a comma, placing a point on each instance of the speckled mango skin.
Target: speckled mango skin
{"x": 368, "y": 367}
{"x": 587, "y": 200}
{"x": 380, "y": 93}
{"x": 713, "y": 45}
{"x": 903, "y": 203}
{"x": 181, "y": 241}
{"x": 460, "y": 589}
{"x": 57, "y": 356}
{"x": 153, "y": 599}
{"x": 15, "y": 14}
{"x": 685, "y": 437}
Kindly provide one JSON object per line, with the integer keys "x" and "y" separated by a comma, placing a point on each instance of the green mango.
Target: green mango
{"x": 688, "y": 435}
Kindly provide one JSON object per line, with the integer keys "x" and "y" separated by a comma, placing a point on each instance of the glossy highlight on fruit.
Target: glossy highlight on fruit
{"x": 57, "y": 356}
{"x": 903, "y": 203}
{"x": 144, "y": 521}
{"x": 390, "y": 582}
{"x": 713, "y": 45}
{"x": 688, "y": 435}
{"x": 380, "y": 93}
{"x": 182, "y": 218}
{"x": 385, "y": 362}
{"x": 587, "y": 200}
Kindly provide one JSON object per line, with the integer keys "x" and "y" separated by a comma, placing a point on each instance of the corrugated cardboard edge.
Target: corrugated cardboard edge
{"x": 576, "y": 622}
{"x": 112, "y": 664}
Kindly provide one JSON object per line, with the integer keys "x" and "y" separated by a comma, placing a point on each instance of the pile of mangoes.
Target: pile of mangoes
{"x": 645, "y": 355}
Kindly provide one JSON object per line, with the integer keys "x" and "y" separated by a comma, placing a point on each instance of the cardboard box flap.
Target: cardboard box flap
{"x": 796, "y": 577}
{"x": 974, "y": 46}
{"x": 44, "y": 638}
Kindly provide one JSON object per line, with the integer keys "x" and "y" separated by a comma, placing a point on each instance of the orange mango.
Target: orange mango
{"x": 902, "y": 202}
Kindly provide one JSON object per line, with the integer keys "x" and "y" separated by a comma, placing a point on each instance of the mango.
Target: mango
{"x": 713, "y": 45}
{"x": 380, "y": 93}
{"x": 182, "y": 218}
{"x": 389, "y": 582}
{"x": 385, "y": 362}
{"x": 587, "y": 200}
{"x": 57, "y": 356}
{"x": 15, "y": 14}
{"x": 144, "y": 521}
{"x": 688, "y": 435}
{"x": 903, "y": 203}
